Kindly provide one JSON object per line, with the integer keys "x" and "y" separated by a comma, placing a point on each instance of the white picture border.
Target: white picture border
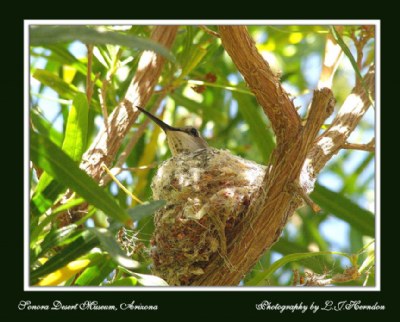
{"x": 28, "y": 23}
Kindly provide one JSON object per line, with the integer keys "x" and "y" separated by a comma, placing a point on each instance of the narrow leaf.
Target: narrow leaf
{"x": 345, "y": 209}
{"x": 45, "y": 127}
{"x": 127, "y": 281}
{"x": 110, "y": 245}
{"x": 149, "y": 280}
{"x": 37, "y": 229}
{"x": 214, "y": 114}
{"x": 84, "y": 241}
{"x": 353, "y": 62}
{"x": 261, "y": 135}
{"x": 46, "y": 193}
{"x": 141, "y": 211}
{"x": 54, "y": 238}
{"x": 80, "y": 246}
{"x": 74, "y": 145}
{"x": 43, "y": 35}
{"x": 51, "y": 80}
{"x": 76, "y": 129}
{"x": 49, "y": 157}
{"x": 286, "y": 247}
{"x": 96, "y": 273}
{"x": 65, "y": 273}
{"x": 257, "y": 280}
{"x": 196, "y": 56}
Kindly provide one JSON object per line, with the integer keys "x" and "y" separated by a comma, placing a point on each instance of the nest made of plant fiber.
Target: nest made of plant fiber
{"x": 207, "y": 193}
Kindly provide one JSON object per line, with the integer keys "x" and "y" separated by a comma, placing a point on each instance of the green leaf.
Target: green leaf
{"x": 80, "y": 246}
{"x": 137, "y": 279}
{"x": 74, "y": 145}
{"x": 214, "y": 114}
{"x": 370, "y": 258}
{"x": 51, "y": 80}
{"x": 61, "y": 55}
{"x": 228, "y": 87}
{"x": 53, "y": 239}
{"x": 345, "y": 209}
{"x": 353, "y": 62}
{"x": 149, "y": 280}
{"x": 49, "y": 157}
{"x": 43, "y": 35}
{"x": 261, "y": 135}
{"x": 110, "y": 245}
{"x": 286, "y": 247}
{"x": 82, "y": 242}
{"x": 257, "y": 280}
{"x": 38, "y": 229}
{"x": 139, "y": 212}
{"x": 45, "y": 127}
{"x": 46, "y": 193}
{"x": 127, "y": 281}
{"x": 196, "y": 55}
{"x": 76, "y": 130}
{"x": 99, "y": 269}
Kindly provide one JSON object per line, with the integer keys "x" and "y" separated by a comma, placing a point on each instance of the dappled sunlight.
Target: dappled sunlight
{"x": 147, "y": 59}
{"x": 126, "y": 262}
{"x": 331, "y": 53}
{"x": 352, "y": 105}
{"x": 325, "y": 143}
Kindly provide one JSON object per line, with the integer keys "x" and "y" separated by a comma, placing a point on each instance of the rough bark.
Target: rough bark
{"x": 261, "y": 81}
{"x": 107, "y": 143}
{"x": 298, "y": 158}
{"x": 109, "y": 139}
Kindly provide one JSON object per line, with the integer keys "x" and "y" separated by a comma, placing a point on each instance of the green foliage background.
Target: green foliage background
{"x": 204, "y": 89}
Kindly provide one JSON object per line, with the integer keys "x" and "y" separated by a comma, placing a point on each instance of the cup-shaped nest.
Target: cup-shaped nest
{"x": 207, "y": 194}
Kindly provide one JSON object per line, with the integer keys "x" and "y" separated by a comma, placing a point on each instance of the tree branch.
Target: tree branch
{"x": 275, "y": 202}
{"x": 349, "y": 115}
{"x": 296, "y": 161}
{"x": 370, "y": 147}
{"x": 109, "y": 139}
{"x": 262, "y": 81}
{"x": 133, "y": 140}
{"x": 332, "y": 57}
{"x": 106, "y": 145}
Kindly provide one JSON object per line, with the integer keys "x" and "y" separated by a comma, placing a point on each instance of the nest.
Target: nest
{"x": 207, "y": 192}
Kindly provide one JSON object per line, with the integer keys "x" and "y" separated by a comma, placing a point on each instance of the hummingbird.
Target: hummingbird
{"x": 207, "y": 191}
{"x": 180, "y": 139}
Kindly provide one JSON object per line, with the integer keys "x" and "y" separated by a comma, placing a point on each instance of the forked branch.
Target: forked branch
{"x": 262, "y": 81}
{"x": 109, "y": 139}
{"x": 107, "y": 143}
{"x": 296, "y": 161}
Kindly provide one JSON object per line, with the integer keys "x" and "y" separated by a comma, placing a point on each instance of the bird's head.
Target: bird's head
{"x": 180, "y": 139}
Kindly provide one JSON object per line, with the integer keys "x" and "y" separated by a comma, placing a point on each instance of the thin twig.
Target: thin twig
{"x": 363, "y": 147}
{"x": 107, "y": 143}
{"x": 116, "y": 171}
{"x": 89, "y": 87}
{"x": 346, "y": 120}
{"x": 299, "y": 190}
{"x": 209, "y": 31}
{"x": 143, "y": 167}
{"x": 103, "y": 102}
{"x": 121, "y": 185}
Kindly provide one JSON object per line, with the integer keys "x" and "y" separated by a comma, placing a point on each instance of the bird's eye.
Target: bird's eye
{"x": 194, "y": 132}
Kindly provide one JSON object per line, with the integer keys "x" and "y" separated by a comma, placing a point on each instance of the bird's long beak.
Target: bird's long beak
{"x": 160, "y": 123}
